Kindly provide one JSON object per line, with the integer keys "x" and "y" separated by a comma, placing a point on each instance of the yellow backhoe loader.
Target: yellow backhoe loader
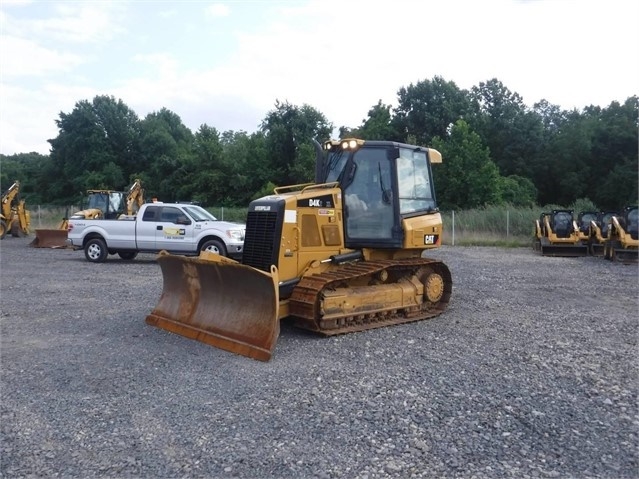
{"x": 107, "y": 204}
{"x": 14, "y": 215}
{"x": 557, "y": 234}
{"x": 339, "y": 255}
{"x": 622, "y": 242}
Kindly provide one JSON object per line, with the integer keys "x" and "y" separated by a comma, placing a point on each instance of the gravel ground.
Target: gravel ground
{"x": 531, "y": 372}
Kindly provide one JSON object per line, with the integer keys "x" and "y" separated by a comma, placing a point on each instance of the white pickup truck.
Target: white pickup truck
{"x": 175, "y": 227}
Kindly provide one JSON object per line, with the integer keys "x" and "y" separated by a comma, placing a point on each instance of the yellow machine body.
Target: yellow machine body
{"x": 315, "y": 253}
{"x": 557, "y": 234}
{"x": 14, "y": 216}
{"x": 622, "y": 242}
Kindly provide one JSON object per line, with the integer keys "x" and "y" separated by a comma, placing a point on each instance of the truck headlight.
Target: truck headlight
{"x": 235, "y": 234}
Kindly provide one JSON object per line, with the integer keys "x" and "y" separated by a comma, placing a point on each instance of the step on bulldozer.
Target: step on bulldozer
{"x": 622, "y": 242}
{"x": 557, "y": 234}
{"x": 339, "y": 255}
{"x": 106, "y": 204}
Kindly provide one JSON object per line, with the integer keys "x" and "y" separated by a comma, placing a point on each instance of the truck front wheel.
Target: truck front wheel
{"x": 96, "y": 250}
{"x": 214, "y": 246}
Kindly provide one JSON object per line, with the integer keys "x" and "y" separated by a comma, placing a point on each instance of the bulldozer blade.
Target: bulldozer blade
{"x": 219, "y": 302}
{"x": 49, "y": 239}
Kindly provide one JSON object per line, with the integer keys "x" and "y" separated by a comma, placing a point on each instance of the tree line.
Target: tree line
{"x": 496, "y": 150}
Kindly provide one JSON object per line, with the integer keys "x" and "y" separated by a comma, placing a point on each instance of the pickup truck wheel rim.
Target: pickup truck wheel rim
{"x": 94, "y": 251}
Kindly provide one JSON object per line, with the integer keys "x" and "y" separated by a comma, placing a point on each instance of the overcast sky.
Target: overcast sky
{"x": 226, "y": 63}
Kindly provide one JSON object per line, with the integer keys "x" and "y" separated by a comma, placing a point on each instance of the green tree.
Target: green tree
{"x": 250, "y": 171}
{"x": 511, "y": 132}
{"x": 517, "y": 190}
{"x": 613, "y": 157}
{"x": 167, "y": 156}
{"x": 289, "y": 133}
{"x": 378, "y": 125}
{"x": 428, "y": 109}
{"x": 96, "y": 147}
{"x": 467, "y": 178}
{"x": 31, "y": 170}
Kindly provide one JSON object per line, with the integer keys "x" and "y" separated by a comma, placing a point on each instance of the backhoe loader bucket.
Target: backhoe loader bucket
{"x": 49, "y": 239}
{"x": 220, "y": 302}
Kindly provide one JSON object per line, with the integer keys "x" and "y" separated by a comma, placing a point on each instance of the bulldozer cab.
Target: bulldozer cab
{"x": 383, "y": 183}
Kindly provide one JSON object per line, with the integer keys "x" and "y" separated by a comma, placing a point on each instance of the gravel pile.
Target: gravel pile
{"x": 531, "y": 372}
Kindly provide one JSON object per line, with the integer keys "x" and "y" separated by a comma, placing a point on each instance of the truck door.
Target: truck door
{"x": 174, "y": 230}
{"x": 145, "y": 229}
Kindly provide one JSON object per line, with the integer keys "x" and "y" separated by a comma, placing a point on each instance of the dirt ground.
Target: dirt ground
{"x": 531, "y": 372}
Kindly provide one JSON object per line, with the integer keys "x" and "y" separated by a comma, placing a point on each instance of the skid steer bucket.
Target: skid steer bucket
{"x": 219, "y": 302}
{"x": 49, "y": 238}
{"x": 566, "y": 250}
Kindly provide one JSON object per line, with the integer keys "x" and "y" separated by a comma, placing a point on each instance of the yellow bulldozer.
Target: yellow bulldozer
{"x": 14, "y": 216}
{"x": 622, "y": 241}
{"x": 106, "y": 204}
{"x": 339, "y": 255}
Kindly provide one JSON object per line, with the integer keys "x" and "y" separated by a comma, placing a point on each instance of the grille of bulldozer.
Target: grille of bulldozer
{"x": 259, "y": 240}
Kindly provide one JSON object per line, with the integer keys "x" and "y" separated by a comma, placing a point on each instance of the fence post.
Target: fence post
{"x": 453, "y": 221}
{"x": 39, "y": 218}
{"x": 507, "y": 223}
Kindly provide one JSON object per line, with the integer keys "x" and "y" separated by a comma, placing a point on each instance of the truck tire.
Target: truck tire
{"x": 127, "y": 255}
{"x": 214, "y": 246}
{"x": 95, "y": 250}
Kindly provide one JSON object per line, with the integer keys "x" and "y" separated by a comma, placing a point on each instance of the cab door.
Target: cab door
{"x": 174, "y": 230}
{"x": 146, "y": 228}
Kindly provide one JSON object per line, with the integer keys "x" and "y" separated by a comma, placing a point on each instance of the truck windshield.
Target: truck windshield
{"x": 199, "y": 214}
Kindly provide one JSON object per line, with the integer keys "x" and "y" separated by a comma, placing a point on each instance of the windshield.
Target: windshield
{"x": 199, "y": 214}
{"x": 413, "y": 176}
{"x": 336, "y": 162}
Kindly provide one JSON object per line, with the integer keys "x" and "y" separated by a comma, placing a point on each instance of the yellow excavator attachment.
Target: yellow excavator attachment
{"x": 219, "y": 302}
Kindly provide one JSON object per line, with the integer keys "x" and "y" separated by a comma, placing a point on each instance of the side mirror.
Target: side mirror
{"x": 183, "y": 221}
